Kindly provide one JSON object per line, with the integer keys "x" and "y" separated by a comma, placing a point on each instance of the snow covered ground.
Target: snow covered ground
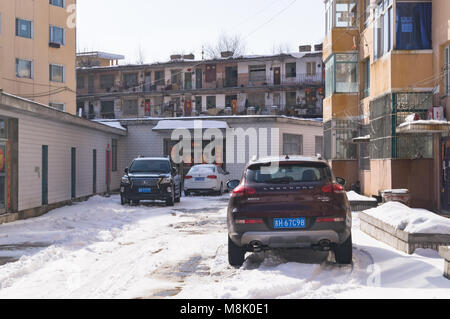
{"x": 100, "y": 249}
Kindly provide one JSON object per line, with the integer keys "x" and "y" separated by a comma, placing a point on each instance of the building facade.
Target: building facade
{"x": 287, "y": 84}
{"x": 385, "y": 60}
{"x": 37, "y": 51}
{"x": 48, "y": 158}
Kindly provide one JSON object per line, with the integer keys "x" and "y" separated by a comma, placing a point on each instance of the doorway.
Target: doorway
{"x": 277, "y": 76}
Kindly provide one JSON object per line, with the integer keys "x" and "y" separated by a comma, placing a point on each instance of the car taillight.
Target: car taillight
{"x": 243, "y": 191}
{"x": 188, "y": 177}
{"x": 212, "y": 177}
{"x": 249, "y": 221}
{"x": 333, "y": 188}
{"x": 330, "y": 220}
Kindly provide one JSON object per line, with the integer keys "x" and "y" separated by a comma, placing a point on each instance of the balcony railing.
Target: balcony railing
{"x": 295, "y": 80}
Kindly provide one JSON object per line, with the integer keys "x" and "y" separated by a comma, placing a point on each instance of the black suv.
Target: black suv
{"x": 151, "y": 179}
{"x": 296, "y": 204}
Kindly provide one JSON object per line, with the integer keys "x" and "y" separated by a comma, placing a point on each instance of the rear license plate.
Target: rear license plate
{"x": 145, "y": 190}
{"x": 289, "y": 223}
{"x": 199, "y": 179}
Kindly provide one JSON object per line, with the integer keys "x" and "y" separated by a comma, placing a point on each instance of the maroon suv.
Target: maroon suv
{"x": 297, "y": 204}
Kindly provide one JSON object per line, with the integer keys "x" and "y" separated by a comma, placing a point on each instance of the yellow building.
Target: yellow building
{"x": 37, "y": 51}
{"x": 385, "y": 60}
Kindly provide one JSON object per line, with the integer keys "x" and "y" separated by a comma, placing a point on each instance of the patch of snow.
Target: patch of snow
{"x": 353, "y": 196}
{"x": 409, "y": 219}
{"x": 423, "y": 122}
{"x": 114, "y": 124}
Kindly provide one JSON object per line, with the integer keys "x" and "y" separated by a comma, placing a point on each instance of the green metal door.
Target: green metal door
{"x": 73, "y": 169}
{"x": 94, "y": 169}
{"x": 44, "y": 174}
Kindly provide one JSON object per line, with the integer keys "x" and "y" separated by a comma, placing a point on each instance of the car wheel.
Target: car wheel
{"x": 344, "y": 252}
{"x": 178, "y": 199}
{"x": 236, "y": 255}
{"x": 136, "y": 202}
{"x": 171, "y": 201}
{"x": 187, "y": 193}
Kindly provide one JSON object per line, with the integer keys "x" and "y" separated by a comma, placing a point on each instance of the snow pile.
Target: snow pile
{"x": 355, "y": 197}
{"x": 409, "y": 219}
{"x": 114, "y": 124}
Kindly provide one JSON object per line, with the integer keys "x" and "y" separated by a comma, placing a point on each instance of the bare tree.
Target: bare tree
{"x": 140, "y": 56}
{"x": 225, "y": 43}
{"x": 281, "y": 48}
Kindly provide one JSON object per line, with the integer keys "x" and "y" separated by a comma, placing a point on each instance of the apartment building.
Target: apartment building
{"x": 385, "y": 60}
{"x": 37, "y": 51}
{"x": 283, "y": 84}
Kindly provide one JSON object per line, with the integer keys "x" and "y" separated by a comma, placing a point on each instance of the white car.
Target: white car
{"x": 205, "y": 179}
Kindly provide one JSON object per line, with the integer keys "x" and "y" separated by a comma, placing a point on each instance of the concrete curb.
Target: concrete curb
{"x": 399, "y": 239}
{"x": 444, "y": 252}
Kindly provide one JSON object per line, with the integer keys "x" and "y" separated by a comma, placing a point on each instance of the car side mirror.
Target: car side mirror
{"x": 233, "y": 184}
{"x": 126, "y": 171}
{"x": 341, "y": 181}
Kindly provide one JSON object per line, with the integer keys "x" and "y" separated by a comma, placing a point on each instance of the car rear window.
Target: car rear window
{"x": 150, "y": 166}
{"x": 201, "y": 169}
{"x": 289, "y": 173}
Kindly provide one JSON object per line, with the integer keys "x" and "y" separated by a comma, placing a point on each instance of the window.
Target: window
{"x": 106, "y": 109}
{"x": 24, "y": 28}
{"x": 159, "y": 78}
{"x": 413, "y": 26}
{"x": 383, "y": 29}
{"x": 447, "y": 70}
{"x": 210, "y": 74}
{"x": 57, "y": 35}
{"x": 175, "y": 76}
{"x": 198, "y": 104}
{"x": 24, "y": 69}
{"x": 106, "y": 81}
{"x": 366, "y": 77}
{"x": 346, "y": 14}
{"x": 366, "y": 13}
{"x": 57, "y": 73}
{"x": 257, "y": 100}
{"x": 310, "y": 68}
{"x": 289, "y": 172}
{"x": 210, "y": 102}
{"x": 58, "y": 106}
{"x": 292, "y": 144}
{"x": 58, "y": 3}
{"x": 80, "y": 82}
{"x": 130, "y": 80}
{"x": 341, "y": 74}
{"x": 130, "y": 108}
{"x": 319, "y": 145}
{"x": 114, "y": 155}
{"x": 291, "y": 99}
{"x": 291, "y": 70}
{"x": 257, "y": 73}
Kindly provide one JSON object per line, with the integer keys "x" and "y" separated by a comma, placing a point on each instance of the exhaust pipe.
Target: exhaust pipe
{"x": 325, "y": 245}
{"x": 256, "y": 246}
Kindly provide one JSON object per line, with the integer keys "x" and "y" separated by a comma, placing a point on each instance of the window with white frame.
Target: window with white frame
{"x": 24, "y": 68}
{"x": 447, "y": 70}
{"x": 58, "y": 3}
{"x": 57, "y": 35}
{"x": 383, "y": 31}
{"x": 340, "y": 14}
{"x": 57, "y": 73}
{"x": 292, "y": 144}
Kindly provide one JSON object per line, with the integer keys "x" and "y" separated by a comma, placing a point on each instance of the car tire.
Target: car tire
{"x": 220, "y": 191}
{"x": 171, "y": 201}
{"x": 178, "y": 199}
{"x": 344, "y": 252}
{"x": 135, "y": 202}
{"x": 236, "y": 255}
{"x": 123, "y": 200}
{"x": 187, "y": 193}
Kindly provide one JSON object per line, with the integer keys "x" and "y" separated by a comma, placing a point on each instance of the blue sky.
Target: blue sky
{"x": 161, "y": 28}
